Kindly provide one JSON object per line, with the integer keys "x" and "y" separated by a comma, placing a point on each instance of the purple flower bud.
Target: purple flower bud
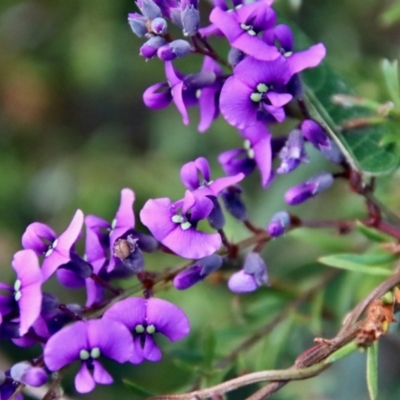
{"x": 127, "y": 250}
{"x": 176, "y": 49}
{"x": 197, "y": 271}
{"x": 235, "y": 56}
{"x": 251, "y": 277}
{"x": 137, "y": 24}
{"x": 25, "y": 373}
{"x": 150, "y": 9}
{"x": 279, "y": 222}
{"x": 313, "y": 132}
{"x": 310, "y": 188}
{"x": 293, "y": 153}
{"x": 159, "y": 26}
{"x": 149, "y": 49}
{"x": 231, "y": 196}
{"x": 190, "y": 20}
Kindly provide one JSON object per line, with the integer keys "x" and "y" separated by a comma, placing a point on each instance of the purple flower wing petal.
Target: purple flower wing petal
{"x": 156, "y": 100}
{"x": 208, "y": 106}
{"x": 168, "y": 319}
{"x": 94, "y": 292}
{"x": 26, "y": 265}
{"x": 84, "y": 382}
{"x": 238, "y": 110}
{"x": 255, "y": 47}
{"x": 277, "y": 112}
{"x": 31, "y": 238}
{"x": 173, "y": 75}
{"x": 192, "y": 244}
{"x": 263, "y": 158}
{"x": 125, "y": 217}
{"x": 227, "y": 23}
{"x": 29, "y": 305}
{"x": 189, "y": 175}
{"x": 69, "y": 279}
{"x": 156, "y": 214}
{"x": 177, "y": 96}
{"x": 130, "y": 312}
{"x": 261, "y": 15}
{"x": 112, "y": 337}
{"x": 279, "y": 99}
{"x": 202, "y": 208}
{"x": 95, "y": 222}
{"x": 285, "y": 36}
{"x": 151, "y": 351}
{"x": 52, "y": 262}
{"x": 71, "y": 234}
{"x": 100, "y": 375}
{"x": 221, "y": 183}
{"x": 204, "y": 167}
{"x": 57, "y": 354}
{"x": 306, "y": 59}
{"x": 137, "y": 355}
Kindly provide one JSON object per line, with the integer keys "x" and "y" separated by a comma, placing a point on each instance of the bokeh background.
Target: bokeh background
{"x": 74, "y": 131}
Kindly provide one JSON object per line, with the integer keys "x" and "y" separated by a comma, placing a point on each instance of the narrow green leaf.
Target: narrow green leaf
{"x": 371, "y": 264}
{"x": 136, "y": 389}
{"x": 372, "y": 371}
{"x": 342, "y": 352}
{"x": 373, "y": 234}
{"x": 361, "y": 147}
{"x": 391, "y": 74}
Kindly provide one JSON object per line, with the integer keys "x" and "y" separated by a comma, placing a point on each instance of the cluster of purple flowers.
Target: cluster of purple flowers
{"x": 261, "y": 81}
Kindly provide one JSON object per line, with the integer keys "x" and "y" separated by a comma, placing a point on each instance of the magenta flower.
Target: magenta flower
{"x": 174, "y": 225}
{"x": 57, "y": 249}
{"x": 87, "y": 341}
{"x": 242, "y": 25}
{"x": 146, "y": 317}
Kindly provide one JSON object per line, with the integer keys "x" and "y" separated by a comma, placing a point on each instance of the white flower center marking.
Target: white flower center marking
{"x": 151, "y": 329}
{"x": 51, "y": 248}
{"x": 84, "y": 355}
{"x": 139, "y": 328}
{"x": 95, "y": 352}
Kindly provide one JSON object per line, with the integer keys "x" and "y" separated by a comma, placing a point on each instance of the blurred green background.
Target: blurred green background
{"x": 74, "y": 131}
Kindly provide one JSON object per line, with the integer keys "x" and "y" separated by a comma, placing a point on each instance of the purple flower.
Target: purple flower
{"x": 256, "y": 152}
{"x": 310, "y": 188}
{"x": 242, "y": 25}
{"x": 314, "y": 133}
{"x": 196, "y": 176}
{"x": 145, "y": 317}
{"x": 174, "y": 225}
{"x": 279, "y": 222}
{"x": 293, "y": 153}
{"x": 256, "y": 92}
{"x": 197, "y": 271}
{"x": 251, "y": 277}
{"x": 57, "y": 251}
{"x": 87, "y": 341}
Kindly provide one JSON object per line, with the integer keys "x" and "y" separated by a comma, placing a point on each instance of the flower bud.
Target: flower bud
{"x": 293, "y": 153}
{"x": 150, "y": 9}
{"x": 25, "y": 373}
{"x": 176, "y": 49}
{"x": 310, "y": 188}
{"x": 137, "y": 24}
{"x": 149, "y": 49}
{"x": 197, "y": 271}
{"x": 314, "y": 133}
{"x": 159, "y": 26}
{"x": 190, "y": 20}
{"x": 279, "y": 222}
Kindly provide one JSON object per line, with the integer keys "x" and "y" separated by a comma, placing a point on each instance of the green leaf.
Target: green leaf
{"x": 361, "y": 147}
{"x": 136, "y": 389}
{"x": 391, "y": 15}
{"x": 373, "y": 234}
{"x": 344, "y": 351}
{"x": 209, "y": 346}
{"x": 372, "y": 370}
{"x": 371, "y": 264}
{"x": 391, "y": 74}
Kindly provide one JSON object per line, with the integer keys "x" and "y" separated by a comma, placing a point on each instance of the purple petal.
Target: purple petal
{"x": 112, "y": 337}
{"x": 125, "y": 217}
{"x": 255, "y": 47}
{"x": 84, "y": 382}
{"x": 204, "y": 167}
{"x": 31, "y": 239}
{"x": 94, "y": 292}
{"x": 174, "y": 77}
{"x": 227, "y": 23}
{"x": 156, "y": 100}
{"x": 279, "y": 99}
{"x": 130, "y": 312}
{"x": 208, "y": 105}
{"x": 151, "y": 351}
{"x": 177, "y": 96}
{"x": 29, "y": 307}
{"x": 168, "y": 319}
{"x": 277, "y": 112}
{"x": 137, "y": 355}
{"x": 259, "y": 13}
{"x": 285, "y": 36}
{"x": 236, "y": 105}
{"x": 26, "y": 265}
{"x": 69, "y": 279}
{"x": 263, "y": 158}
{"x": 221, "y": 183}
{"x": 240, "y": 282}
{"x": 100, "y": 375}
{"x": 189, "y": 175}
{"x": 156, "y": 214}
{"x": 201, "y": 209}
{"x": 192, "y": 244}
{"x": 57, "y": 354}
{"x": 306, "y": 59}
